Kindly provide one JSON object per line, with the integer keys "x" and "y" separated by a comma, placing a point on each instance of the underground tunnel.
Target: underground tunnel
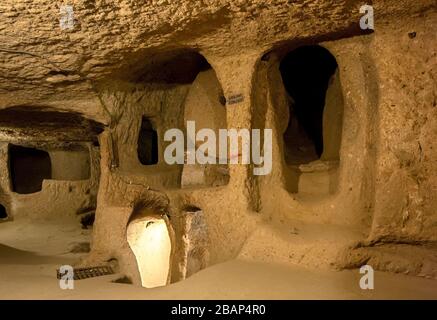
{"x": 307, "y": 73}
{"x": 84, "y": 112}
{"x": 313, "y": 136}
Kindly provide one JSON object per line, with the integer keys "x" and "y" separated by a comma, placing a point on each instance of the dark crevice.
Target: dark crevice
{"x": 147, "y": 143}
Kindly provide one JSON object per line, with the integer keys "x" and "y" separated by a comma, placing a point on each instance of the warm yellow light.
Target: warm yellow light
{"x": 150, "y": 241}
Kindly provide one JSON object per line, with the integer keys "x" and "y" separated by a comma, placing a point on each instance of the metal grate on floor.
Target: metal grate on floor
{"x": 90, "y": 272}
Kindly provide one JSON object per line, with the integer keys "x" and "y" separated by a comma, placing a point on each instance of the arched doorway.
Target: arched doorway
{"x": 314, "y": 127}
{"x": 312, "y": 138}
{"x": 150, "y": 241}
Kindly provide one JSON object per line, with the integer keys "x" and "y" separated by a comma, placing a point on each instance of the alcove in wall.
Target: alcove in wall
{"x": 29, "y": 167}
{"x": 150, "y": 239}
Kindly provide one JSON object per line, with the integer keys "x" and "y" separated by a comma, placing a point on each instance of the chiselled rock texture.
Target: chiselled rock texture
{"x": 123, "y": 61}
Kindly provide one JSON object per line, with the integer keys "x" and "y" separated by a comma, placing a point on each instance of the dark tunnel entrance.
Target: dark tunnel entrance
{"x": 307, "y": 73}
{"x": 28, "y": 168}
{"x": 3, "y": 213}
{"x": 147, "y": 143}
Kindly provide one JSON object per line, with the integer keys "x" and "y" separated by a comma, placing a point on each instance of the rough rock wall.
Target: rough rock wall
{"x": 381, "y": 190}
{"x": 349, "y": 207}
{"x": 123, "y": 185}
{"x": 348, "y": 203}
{"x": 58, "y": 199}
{"x": 403, "y": 232}
{"x": 406, "y": 191}
{"x": 87, "y": 69}
{"x": 43, "y": 64}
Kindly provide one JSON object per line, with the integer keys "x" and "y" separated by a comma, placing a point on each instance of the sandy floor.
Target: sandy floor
{"x": 27, "y": 273}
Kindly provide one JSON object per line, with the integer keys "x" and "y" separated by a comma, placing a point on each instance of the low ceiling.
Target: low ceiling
{"x": 42, "y": 64}
{"x": 46, "y": 124}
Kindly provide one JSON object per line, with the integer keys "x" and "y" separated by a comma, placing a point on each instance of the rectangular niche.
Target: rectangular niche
{"x": 28, "y": 168}
{"x": 147, "y": 147}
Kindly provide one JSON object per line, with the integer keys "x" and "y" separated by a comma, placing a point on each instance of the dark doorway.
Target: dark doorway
{"x": 28, "y": 168}
{"x": 306, "y": 73}
{"x": 3, "y": 212}
{"x": 147, "y": 143}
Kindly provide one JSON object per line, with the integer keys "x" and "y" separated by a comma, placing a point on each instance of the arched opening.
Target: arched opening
{"x": 3, "y": 213}
{"x": 28, "y": 168}
{"x": 181, "y": 87}
{"x": 147, "y": 145}
{"x": 312, "y": 138}
{"x": 314, "y": 127}
{"x": 150, "y": 237}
